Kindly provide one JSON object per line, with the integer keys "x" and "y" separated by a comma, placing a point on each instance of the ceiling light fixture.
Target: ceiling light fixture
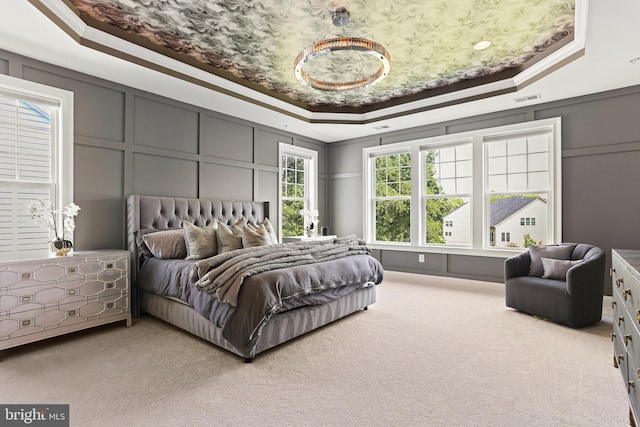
{"x": 482, "y": 45}
{"x": 341, "y": 18}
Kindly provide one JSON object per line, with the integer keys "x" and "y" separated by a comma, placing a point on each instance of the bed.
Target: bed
{"x": 229, "y": 299}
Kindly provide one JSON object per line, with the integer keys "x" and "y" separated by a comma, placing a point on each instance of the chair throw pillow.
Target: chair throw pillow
{"x": 201, "y": 241}
{"x": 168, "y": 244}
{"x": 556, "y": 269}
{"x": 562, "y": 251}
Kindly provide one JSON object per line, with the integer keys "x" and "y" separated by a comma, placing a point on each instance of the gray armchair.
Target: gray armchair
{"x": 575, "y": 302}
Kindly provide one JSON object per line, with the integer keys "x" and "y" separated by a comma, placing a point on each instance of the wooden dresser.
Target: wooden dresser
{"x": 625, "y": 274}
{"x": 46, "y": 297}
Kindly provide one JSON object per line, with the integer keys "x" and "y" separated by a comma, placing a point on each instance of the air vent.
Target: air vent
{"x": 527, "y": 98}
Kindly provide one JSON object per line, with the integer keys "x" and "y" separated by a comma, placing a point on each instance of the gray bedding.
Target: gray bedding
{"x": 260, "y": 290}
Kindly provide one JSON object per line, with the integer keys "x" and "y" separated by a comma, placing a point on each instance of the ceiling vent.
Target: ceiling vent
{"x": 527, "y": 98}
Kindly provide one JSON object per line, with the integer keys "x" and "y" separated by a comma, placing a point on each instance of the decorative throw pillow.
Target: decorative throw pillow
{"x": 556, "y": 268}
{"x": 200, "y": 241}
{"x": 167, "y": 244}
{"x": 230, "y": 238}
{"x": 270, "y": 229}
{"x": 562, "y": 251}
{"x": 255, "y": 236}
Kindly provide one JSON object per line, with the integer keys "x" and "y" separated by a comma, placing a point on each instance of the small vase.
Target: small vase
{"x": 61, "y": 247}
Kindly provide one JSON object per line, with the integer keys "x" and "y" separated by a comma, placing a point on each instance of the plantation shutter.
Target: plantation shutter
{"x": 27, "y": 154}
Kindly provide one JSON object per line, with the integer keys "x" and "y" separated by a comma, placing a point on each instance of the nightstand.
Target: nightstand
{"x": 307, "y": 238}
{"x": 50, "y": 296}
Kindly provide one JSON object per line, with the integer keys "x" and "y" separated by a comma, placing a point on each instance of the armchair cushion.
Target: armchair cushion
{"x": 556, "y": 269}
{"x": 561, "y": 251}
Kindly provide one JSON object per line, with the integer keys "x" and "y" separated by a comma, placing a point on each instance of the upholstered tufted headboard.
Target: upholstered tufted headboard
{"x": 161, "y": 213}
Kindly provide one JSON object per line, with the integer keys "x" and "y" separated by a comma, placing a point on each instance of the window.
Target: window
{"x": 392, "y": 197}
{"x": 472, "y": 191}
{"x": 36, "y": 160}
{"x": 519, "y": 179}
{"x": 448, "y": 187}
{"x": 298, "y": 183}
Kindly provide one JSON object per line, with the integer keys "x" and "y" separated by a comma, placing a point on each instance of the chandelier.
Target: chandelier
{"x": 341, "y": 18}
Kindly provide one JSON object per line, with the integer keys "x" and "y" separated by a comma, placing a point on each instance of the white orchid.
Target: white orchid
{"x": 43, "y": 213}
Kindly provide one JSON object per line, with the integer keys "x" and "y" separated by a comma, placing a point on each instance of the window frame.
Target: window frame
{"x": 311, "y": 177}
{"x": 62, "y": 141}
{"x": 480, "y": 240}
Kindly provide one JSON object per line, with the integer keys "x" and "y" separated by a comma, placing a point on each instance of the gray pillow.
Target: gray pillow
{"x": 229, "y": 238}
{"x": 167, "y": 244}
{"x": 562, "y": 251}
{"x": 255, "y": 236}
{"x": 556, "y": 268}
{"x": 200, "y": 241}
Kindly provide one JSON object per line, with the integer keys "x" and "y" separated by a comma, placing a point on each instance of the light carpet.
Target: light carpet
{"x": 433, "y": 351}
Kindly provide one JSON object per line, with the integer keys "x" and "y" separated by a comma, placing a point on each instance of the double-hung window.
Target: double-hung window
{"x": 392, "y": 197}
{"x": 487, "y": 189}
{"x": 36, "y": 160}
{"x": 448, "y": 185}
{"x": 298, "y": 187}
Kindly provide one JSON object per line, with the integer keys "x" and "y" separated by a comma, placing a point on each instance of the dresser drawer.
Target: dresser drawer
{"x": 37, "y": 320}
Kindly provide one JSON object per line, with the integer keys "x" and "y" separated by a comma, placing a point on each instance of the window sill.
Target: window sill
{"x": 493, "y": 253}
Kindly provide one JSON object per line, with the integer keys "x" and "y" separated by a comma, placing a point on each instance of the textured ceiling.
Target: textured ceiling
{"x": 254, "y": 43}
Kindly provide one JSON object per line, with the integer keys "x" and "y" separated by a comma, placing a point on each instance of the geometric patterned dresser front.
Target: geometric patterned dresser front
{"x": 42, "y": 298}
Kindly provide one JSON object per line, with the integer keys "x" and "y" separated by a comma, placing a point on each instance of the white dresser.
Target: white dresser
{"x": 625, "y": 274}
{"x": 46, "y": 297}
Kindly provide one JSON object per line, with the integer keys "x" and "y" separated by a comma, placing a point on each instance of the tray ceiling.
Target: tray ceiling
{"x": 254, "y": 43}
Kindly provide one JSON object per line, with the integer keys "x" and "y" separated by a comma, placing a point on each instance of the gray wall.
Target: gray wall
{"x": 600, "y": 176}
{"x": 128, "y": 141}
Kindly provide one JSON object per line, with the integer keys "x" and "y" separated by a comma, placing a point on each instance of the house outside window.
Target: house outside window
{"x": 36, "y": 161}
{"x": 458, "y": 186}
{"x": 298, "y": 187}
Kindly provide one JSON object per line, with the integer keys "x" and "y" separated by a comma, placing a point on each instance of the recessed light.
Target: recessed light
{"x": 482, "y": 45}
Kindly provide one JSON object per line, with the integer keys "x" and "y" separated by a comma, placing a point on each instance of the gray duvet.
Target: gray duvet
{"x": 240, "y": 291}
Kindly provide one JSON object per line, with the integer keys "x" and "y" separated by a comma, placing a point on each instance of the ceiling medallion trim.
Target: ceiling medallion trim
{"x": 341, "y": 44}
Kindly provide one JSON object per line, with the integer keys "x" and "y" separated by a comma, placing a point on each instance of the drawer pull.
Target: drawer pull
{"x": 25, "y": 276}
{"x": 613, "y": 304}
{"x": 72, "y": 270}
{"x": 639, "y": 374}
{"x": 109, "y": 265}
{"x": 638, "y": 316}
{"x": 25, "y": 322}
{"x": 111, "y": 285}
{"x": 613, "y": 336}
{"x": 620, "y": 319}
{"x": 626, "y": 293}
{"x": 26, "y": 299}
{"x": 71, "y": 313}
{"x": 629, "y": 385}
{"x": 110, "y": 305}
{"x": 627, "y": 338}
{"x": 611, "y": 271}
{"x": 619, "y": 282}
